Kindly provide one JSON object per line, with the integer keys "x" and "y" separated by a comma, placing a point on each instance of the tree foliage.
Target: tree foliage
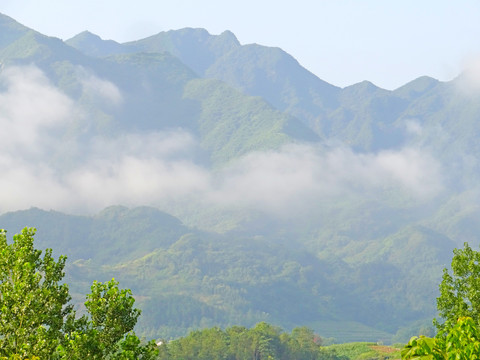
{"x": 262, "y": 342}
{"x": 458, "y": 335}
{"x": 462, "y": 342}
{"x": 460, "y": 292}
{"x": 38, "y": 321}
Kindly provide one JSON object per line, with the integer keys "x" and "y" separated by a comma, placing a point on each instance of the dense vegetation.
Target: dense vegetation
{"x": 37, "y": 320}
{"x": 458, "y": 335}
{"x": 238, "y": 343}
{"x": 188, "y": 279}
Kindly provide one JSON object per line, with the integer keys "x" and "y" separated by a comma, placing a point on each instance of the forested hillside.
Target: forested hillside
{"x": 228, "y": 185}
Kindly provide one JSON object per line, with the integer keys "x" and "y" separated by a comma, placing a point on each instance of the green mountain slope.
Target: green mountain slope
{"x": 103, "y": 238}
{"x": 11, "y": 30}
{"x": 232, "y": 124}
{"x": 234, "y": 280}
{"x": 185, "y": 278}
{"x": 35, "y": 48}
{"x": 277, "y": 77}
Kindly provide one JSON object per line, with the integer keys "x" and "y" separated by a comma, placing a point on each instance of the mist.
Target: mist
{"x": 157, "y": 168}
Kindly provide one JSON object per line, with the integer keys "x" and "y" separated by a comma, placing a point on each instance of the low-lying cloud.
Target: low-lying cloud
{"x": 98, "y": 88}
{"x": 468, "y": 83}
{"x": 297, "y": 174}
{"x": 30, "y": 108}
{"x": 159, "y": 167}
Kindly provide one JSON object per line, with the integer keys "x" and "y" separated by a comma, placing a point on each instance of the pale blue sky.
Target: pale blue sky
{"x": 341, "y": 41}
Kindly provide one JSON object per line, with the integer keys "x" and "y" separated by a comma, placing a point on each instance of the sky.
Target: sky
{"x": 343, "y": 42}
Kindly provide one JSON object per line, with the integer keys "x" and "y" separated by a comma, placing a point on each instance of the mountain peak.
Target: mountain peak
{"x": 416, "y": 87}
{"x": 7, "y": 20}
{"x": 230, "y": 37}
{"x": 365, "y": 85}
{"x": 10, "y": 30}
{"x": 363, "y": 88}
{"x": 85, "y": 35}
{"x": 93, "y": 45}
{"x": 195, "y": 47}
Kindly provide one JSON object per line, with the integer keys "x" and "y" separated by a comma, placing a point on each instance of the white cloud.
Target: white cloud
{"x": 25, "y": 185}
{"x": 98, "y": 88}
{"x": 30, "y": 106}
{"x": 413, "y": 127}
{"x": 301, "y": 174}
{"x": 159, "y": 167}
{"x": 165, "y": 144}
{"x": 415, "y": 171}
{"x": 469, "y": 81}
{"x": 135, "y": 181}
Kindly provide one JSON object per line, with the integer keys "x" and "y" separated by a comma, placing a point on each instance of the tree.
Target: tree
{"x": 458, "y": 335}
{"x": 265, "y": 341}
{"x": 462, "y": 342}
{"x": 460, "y": 292}
{"x": 38, "y": 321}
{"x": 207, "y": 344}
{"x": 34, "y": 306}
{"x": 306, "y": 347}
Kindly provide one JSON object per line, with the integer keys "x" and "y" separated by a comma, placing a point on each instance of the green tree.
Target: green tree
{"x": 208, "y": 344}
{"x": 458, "y": 335}
{"x": 34, "y": 305}
{"x": 462, "y": 342}
{"x": 460, "y": 292}
{"x": 263, "y": 342}
{"x": 239, "y": 343}
{"x": 37, "y": 319}
{"x": 304, "y": 339}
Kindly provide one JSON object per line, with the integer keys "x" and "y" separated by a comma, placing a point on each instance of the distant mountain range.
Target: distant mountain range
{"x": 226, "y": 184}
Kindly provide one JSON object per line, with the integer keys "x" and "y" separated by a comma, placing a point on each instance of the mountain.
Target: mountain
{"x": 103, "y": 237}
{"x": 92, "y": 45}
{"x": 196, "y": 48}
{"x": 159, "y": 93}
{"x": 362, "y": 115}
{"x": 277, "y": 77}
{"x": 20, "y": 46}
{"x": 11, "y": 30}
{"x": 256, "y": 70}
{"x": 188, "y": 278}
{"x": 250, "y": 189}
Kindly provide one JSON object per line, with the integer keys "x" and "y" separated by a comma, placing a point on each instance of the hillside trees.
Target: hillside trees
{"x": 37, "y": 320}
{"x": 262, "y": 342}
